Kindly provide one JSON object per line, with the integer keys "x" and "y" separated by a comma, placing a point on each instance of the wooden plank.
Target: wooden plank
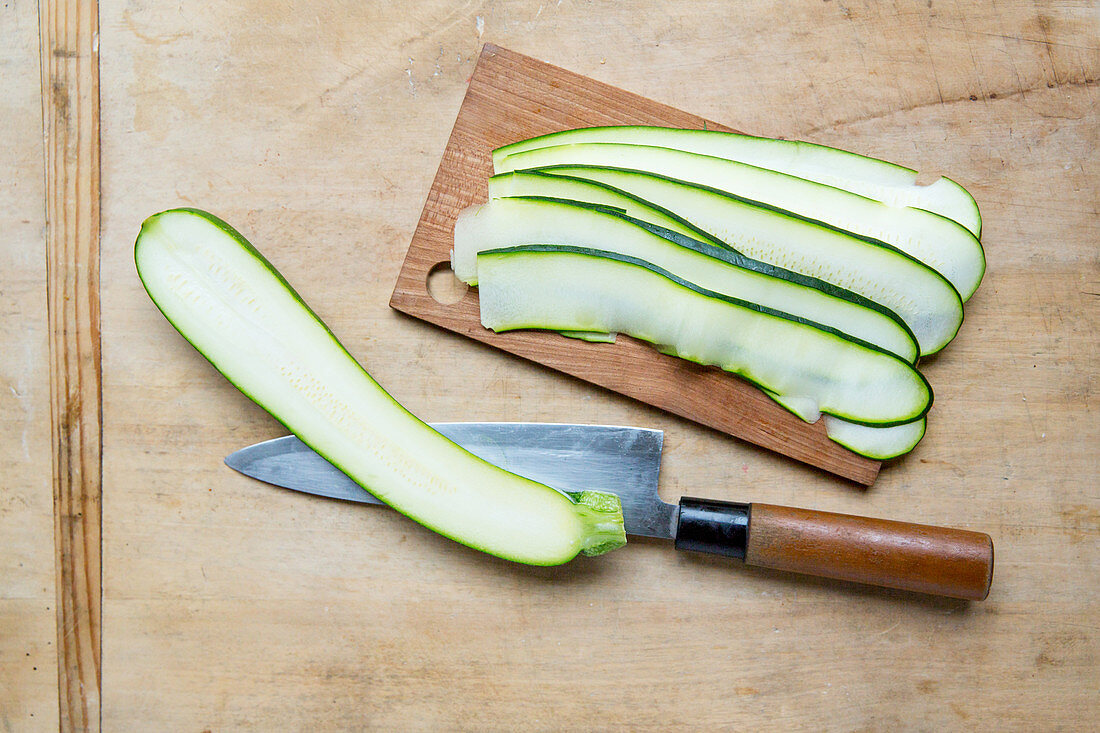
{"x": 69, "y": 47}
{"x": 512, "y": 97}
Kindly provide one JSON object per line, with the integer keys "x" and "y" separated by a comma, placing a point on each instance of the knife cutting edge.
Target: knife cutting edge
{"x": 626, "y": 461}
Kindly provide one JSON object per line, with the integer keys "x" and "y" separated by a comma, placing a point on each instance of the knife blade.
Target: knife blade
{"x": 620, "y": 460}
{"x": 626, "y": 461}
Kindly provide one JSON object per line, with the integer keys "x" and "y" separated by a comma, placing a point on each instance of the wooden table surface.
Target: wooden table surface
{"x": 144, "y": 586}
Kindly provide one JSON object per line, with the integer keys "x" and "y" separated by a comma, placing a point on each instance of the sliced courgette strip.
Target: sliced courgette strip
{"x": 870, "y": 177}
{"x": 880, "y": 444}
{"x": 577, "y": 288}
{"x": 881, "y": 274}
{"x": 227, "y": 300}
{"x": 517, "y": 221}
{"x": 941, "y": 243}
{"x": 874, "y": 442}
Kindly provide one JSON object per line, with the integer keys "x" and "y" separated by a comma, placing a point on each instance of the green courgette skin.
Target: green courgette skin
{"x": 848, "y": 341}
{"x": 307, "y": 380}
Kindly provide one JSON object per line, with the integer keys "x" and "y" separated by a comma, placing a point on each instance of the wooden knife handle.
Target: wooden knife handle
{"x": 948, "y": 562}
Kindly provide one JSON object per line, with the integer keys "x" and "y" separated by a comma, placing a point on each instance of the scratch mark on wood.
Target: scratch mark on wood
{"x": 1020, "y": 39}
{"x": 1088, "y": 83}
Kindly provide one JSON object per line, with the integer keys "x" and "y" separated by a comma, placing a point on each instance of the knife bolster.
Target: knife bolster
{"x": 717, "y": 527}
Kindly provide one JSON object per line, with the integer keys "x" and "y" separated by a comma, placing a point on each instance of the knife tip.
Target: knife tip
{"x": 233, "y": 461}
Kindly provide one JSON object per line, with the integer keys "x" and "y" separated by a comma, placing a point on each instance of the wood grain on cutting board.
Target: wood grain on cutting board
{"x": 229, "y": 605}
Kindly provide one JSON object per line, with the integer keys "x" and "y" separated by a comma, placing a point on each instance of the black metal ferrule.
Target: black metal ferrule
{"x": 718, "y": 527}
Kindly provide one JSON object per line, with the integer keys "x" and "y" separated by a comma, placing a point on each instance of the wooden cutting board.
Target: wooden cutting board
{"x": 512, "y": 97}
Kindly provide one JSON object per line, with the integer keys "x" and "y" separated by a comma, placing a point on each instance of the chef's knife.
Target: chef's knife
{"x": 626, "y": 461}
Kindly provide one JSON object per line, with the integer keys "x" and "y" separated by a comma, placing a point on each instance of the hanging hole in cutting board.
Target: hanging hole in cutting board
{"x": 443, "y": 286}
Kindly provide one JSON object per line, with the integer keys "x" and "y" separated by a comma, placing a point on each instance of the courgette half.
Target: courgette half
{"x": 878, "y": 274}
{"x": 875, "y": 179}
{"x": 578, "y": 288}
{"x": 234, "y": 307}
{"x": 941, "y": 243}
{"x": 517, "y": 221}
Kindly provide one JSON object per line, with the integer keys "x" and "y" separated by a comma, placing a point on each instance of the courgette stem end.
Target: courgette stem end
{"x": 602, "y": 516}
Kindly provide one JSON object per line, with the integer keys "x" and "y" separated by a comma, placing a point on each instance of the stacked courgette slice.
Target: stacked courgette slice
{"x": 819, "y": 275}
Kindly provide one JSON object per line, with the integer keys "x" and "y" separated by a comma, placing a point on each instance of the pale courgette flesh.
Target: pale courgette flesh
{"x": 518, "y": 221}
{"x": 874, "y": 442}
{"x": 577, "y": 288}
{"x": 880, "y": 444}
{"x": 227, "y": 300}
{"x": 876, "y": 179}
